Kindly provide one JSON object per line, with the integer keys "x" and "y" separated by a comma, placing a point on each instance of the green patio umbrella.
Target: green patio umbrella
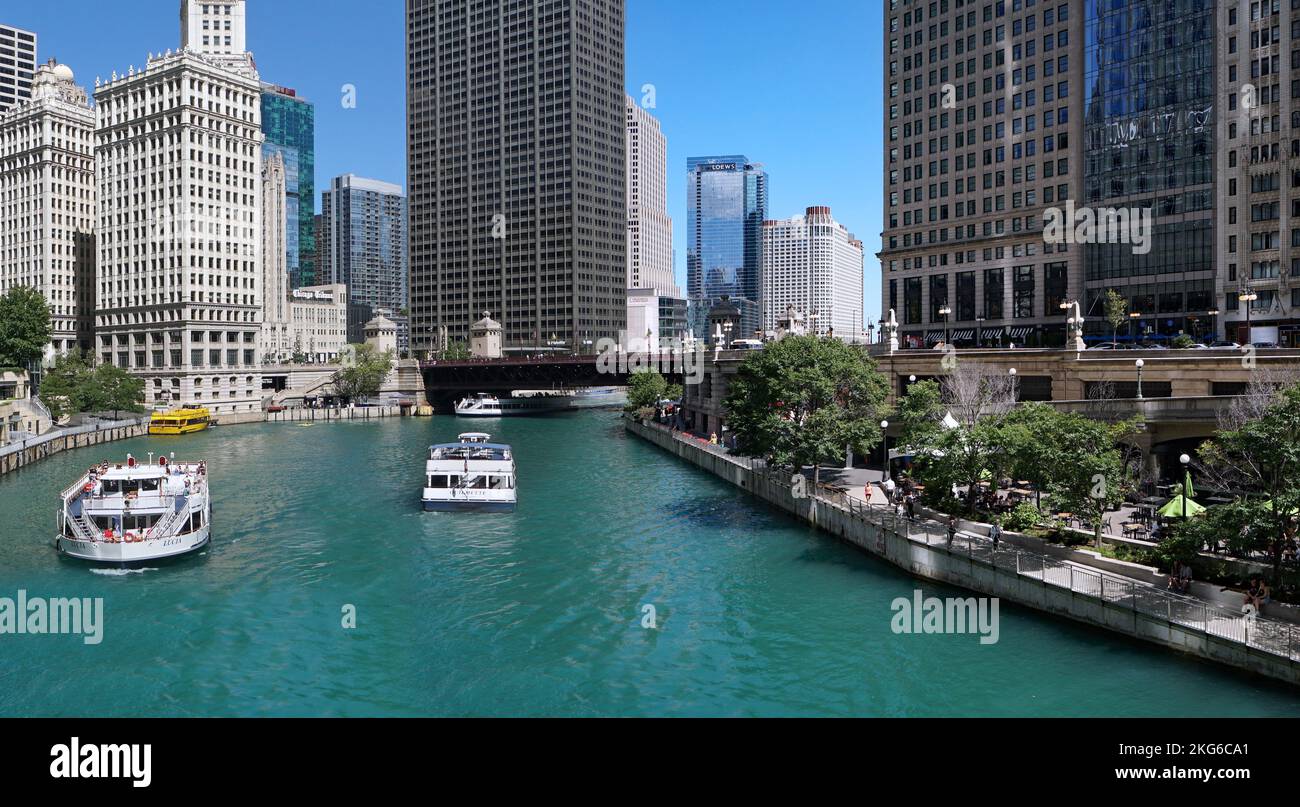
{"x": 1174, "y": 509}
{"x": 1188, "y": 490}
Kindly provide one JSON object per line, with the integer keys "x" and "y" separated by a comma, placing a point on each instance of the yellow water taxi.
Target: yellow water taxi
{"x": 180, "y": 421}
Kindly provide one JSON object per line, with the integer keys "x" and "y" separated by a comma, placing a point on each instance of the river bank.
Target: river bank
{"x": 1036, "y": 580}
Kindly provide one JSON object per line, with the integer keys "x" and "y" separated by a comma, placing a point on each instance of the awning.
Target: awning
{"x": 934, "y": 336}
{"x": 963, "y": 333}
{"x": 1021, "y": 332}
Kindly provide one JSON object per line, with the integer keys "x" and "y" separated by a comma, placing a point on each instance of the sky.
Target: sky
{"x": 793, "y": 85}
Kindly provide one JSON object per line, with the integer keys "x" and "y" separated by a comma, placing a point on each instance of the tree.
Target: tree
{"x": 65, "y": 386}
{"x": 1116, "y": 312}
{"x": 298, "y": 356}
{"x": 919, "y": 415}
{"x": 456, "y": 351}
{"x": 111, "y": 387}
{"x": 1260, "y": 457}
{"x": 645, "y": 388}
{"x": 1088, "y": 473}
{"x": 24, "y": 327}
{"x": 364, "y": 374}
{"x": 803, "y": 400}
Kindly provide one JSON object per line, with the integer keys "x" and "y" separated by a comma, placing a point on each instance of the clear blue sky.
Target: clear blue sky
{"x": 795, "y": 86}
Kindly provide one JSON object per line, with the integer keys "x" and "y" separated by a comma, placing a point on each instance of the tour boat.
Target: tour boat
{"x": 600, "y": 397}
{"x": 136, "y": 511}
{"x": 180, "y": 421}
{"x": 487, "y": 405}
{"x": 473, "y": 475}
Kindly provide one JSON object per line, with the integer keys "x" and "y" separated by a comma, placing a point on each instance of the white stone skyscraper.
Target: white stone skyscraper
{"x": 216, "y": 28}
{"x": 811, "y": 262}
{"x": 179, "y": 166}
{"x": 47, "y": 203}
{"x": 649, "y": 229}
{"x": 276, "y": 341}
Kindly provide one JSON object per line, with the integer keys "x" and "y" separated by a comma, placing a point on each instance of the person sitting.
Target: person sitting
{"x": 1185, "y": 579}
{"x": 1255, "y": 594}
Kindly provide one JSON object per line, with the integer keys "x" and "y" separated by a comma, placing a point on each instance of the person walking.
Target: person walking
{"x": 911, "y": 508}
{"x": 995, "y": 532}
{"x": 952, "y": 529}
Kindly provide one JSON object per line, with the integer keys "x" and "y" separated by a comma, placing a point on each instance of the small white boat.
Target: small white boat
{"x": 487, "y": 405}
{"x": 473, "y": 475}
{"x": 136, "y": 511}
{"x": 600, "y": 397}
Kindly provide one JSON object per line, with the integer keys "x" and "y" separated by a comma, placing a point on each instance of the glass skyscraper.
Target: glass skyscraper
{"x": 725, "y": 208}
{"x": 1149, "y": 79}
{"x": 289, "y": 124}
{"x": 363, "y": 232}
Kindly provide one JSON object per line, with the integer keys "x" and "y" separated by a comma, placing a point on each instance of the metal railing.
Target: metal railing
{"x": 1269, "y": 635}
{"x": 55, "y": 434}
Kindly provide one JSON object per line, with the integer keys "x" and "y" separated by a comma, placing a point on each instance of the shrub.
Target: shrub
{"x": 1025, "y": 517}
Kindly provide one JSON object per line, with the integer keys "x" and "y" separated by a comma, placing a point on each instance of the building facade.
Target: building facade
{"x": 217, "y": 29}
{"x": 47, "y": 204}
{"x": 649, "y": 228}
{"x": 516, "y": 170}
{"x": 813, "y": 264}
{"x": 179, "y": 170}
{"x": 726, "y": 205}
{"x": 982, "y": 140}
{"x": 289, "y": 126}
{"x": 17, "y": 65}
{"x": 318, "y": 332}
{"x": 363, "y": 230}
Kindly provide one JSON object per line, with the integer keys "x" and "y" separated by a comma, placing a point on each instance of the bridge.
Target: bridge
{"x": 447, "y": 380}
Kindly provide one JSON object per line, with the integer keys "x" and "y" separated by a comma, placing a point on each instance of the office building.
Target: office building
{"x": 726, "y": 205}
{"x": 516, "y": 170}
{"x": 363, "y": 247}
{"x": 812, "y": 264}
{"x": 17, "y": 65}
{"x": 649, "y": 228}
{"x": 47, "y": 204}
{"x": 289, "y": 126}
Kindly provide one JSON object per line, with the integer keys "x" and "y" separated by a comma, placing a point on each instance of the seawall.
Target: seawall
{"x": 1031, "y": 579}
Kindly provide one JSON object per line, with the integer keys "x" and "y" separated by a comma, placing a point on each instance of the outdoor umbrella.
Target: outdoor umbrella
{"x": 1174, "y": 509}
{"x": 1188, "y": 490}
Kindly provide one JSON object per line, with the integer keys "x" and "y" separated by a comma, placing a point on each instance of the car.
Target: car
{"x": 1265, "y": 345}
{"x": 1152, "y": 346}
{"x": 1224, "y": 345}
{"x": 1110, "y": 346}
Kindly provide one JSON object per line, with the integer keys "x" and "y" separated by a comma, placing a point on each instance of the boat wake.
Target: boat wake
{"x": 123, "y": 572}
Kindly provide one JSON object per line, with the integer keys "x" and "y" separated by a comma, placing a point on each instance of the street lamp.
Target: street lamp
{"x": 1184, "y": 459}
{"x": 1248, "y": 297}
{"x": 1140, "y": 364}
{"x": 944, "y": 311}
{"x": 1133, "y": 317}
{"x": 1015, "y": 392}
{"x": 979, "y": 331}
{"x": 884, "y": 449}
{"x": 1213, "y": 313}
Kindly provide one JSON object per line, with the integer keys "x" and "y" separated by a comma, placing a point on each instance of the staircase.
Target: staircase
{"x": 168, "y": 524}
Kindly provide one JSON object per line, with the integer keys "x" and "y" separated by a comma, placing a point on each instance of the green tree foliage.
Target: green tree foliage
{"x": 456, "y": 351}
{"x": 919, "y": 415}
{"x": 802, "y": 400}
{"x": 111, "y": 387}
{"x": 24, "y": 327}
{"x": 644, "y": 389}
{"x": 364, "y": 374}
{"x": 66, "y": 386}
{"x": 1261, "y": 458}
{"x": 1116, "y": 311}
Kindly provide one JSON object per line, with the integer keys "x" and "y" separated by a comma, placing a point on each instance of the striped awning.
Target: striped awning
{"x": 934, "y": 336}
{"x": 1020, "y": 332}
{"x": 963, "y": 333}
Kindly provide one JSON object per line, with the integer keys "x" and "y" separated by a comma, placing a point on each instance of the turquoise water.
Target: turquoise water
{"x": 535, "y": 613}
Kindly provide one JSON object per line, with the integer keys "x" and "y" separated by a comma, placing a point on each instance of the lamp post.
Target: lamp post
{"x": 1249, "y": 296}
{"x": 1140, "y": 364}
{"x": 944, "y": 311}
{"x": 979, "y": 331}
{"x": 1184, "y": 459}
{"x": 1015, "y": 392}
{"x": 1133, "y": 317}
{"x": 884, "y": 449}
{"x": 1213, "y": 313}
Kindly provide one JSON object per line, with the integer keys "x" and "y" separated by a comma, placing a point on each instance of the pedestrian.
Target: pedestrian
{"x": 866, "y": 492}
{"x": 890, "y": 487}
{"x": 911, "y": 508}
{"x": 995, "y": 532}
{"x": 952, "y": 529}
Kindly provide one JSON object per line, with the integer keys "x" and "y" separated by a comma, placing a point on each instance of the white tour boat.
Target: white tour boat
{"x": 487, "y": 405}
{"x": 136, "y": 511}
{"x": 473, "y": 475}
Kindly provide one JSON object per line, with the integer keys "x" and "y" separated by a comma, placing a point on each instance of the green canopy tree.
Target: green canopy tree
{"x": 111, "y": 387}
{"x": 1086, "y": 467}
{"x": 364, "y": 374}
{"x": 645, "y": 388}
{"x": 1260, "y": 457}
{"x": 1116, "y": 307}
{"x": 66, "y": 385}
{"x": 919, "y": 416}
{"x": 803, "y": 400}
{"x": 24, "y": 327}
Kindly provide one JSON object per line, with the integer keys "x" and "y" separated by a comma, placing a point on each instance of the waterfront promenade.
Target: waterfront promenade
{"x": 1035, "y": 579}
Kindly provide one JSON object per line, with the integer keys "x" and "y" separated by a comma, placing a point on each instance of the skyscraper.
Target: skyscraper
{"x": 363, "y": 232}
{"x": 726, "y": 204}
{"x": 216, "y": 28}
{"x": 515, "y": 149}
{"x": 47, "y": 203}
{"x": 649, "y": 228}
{"x": 17, "y": 65}
{"x": 813, "y": 264}
{"x": 289, "y": 124}
{"x": 179, "y": 171}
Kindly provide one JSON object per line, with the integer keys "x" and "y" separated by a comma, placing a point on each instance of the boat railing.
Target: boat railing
{"x": 168, "y": 524}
